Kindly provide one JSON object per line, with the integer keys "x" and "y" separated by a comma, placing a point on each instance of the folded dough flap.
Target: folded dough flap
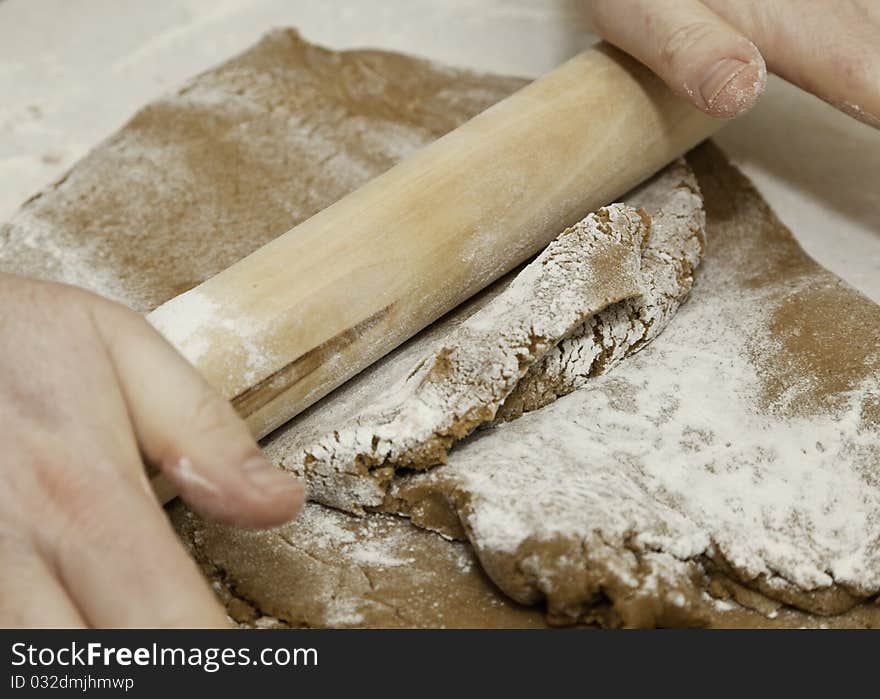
{"x": 601, "y": 290}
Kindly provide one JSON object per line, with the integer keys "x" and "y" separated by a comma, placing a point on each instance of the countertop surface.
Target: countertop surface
{"x": 73, "y": 71}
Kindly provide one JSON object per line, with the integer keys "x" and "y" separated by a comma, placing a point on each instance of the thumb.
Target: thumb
{"x": 190, "y": 433}
{"x": 695, "y": 52}
{"x": 829, "y": 49}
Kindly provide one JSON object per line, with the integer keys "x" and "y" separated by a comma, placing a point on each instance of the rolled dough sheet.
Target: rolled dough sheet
{"x": 741, "y": 450}
{"x": 235, "y": 157}
{"x": 329, "y": 569}
{"x": 246, "y": 151}
{"x": 332, "y": 570}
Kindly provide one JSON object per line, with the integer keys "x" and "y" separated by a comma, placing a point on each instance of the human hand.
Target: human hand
{"x": 88, "y": 392}
{"x": 714, "y": 51}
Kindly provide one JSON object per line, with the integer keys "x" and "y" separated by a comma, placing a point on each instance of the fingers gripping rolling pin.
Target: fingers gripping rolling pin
{"x": 283, "y": 327}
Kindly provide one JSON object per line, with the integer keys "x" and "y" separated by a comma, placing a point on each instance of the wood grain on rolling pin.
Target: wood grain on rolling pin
{"x": 286, "y": 325}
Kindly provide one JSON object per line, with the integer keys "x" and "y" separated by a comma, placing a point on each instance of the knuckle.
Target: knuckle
{"x": 89, "y": 523}
{"x": 82, "y": 503}
{"x": 111, "y": 316}
{"x": 82, "y": 510}
{"x": 15, "y": 544}
{"x": 39, "y": 297}
{"x": 856, "y": 72}
{"x": 63, "y": 295}
{"x": 56, "y": 478}
{"x": 118, "y": 311}
{"x": 598, "y": 14}
{"x": 677, "y": 47}
{"x": 71, "y": 306}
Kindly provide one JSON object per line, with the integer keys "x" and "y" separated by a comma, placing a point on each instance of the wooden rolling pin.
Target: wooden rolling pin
{"x": 289, "y": 323}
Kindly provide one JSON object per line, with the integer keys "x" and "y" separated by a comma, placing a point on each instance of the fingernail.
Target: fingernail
{"x": 732, "y": 87}
{"x": 267, "y": 478}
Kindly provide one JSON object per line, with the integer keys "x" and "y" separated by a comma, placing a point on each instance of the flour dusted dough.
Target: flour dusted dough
{"x": 329, "y": 569}
{"x": 602, "y": 290}
{"x": 671, "y": 253}
{"x": 232, "y": 159}
{"x": 586, "y": 288}
{"x": 738, "y": 453}
{"x": 332, "y": 570}
{"x": 769, "y": 345}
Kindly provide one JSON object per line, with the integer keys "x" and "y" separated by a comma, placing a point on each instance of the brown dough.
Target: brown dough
{"x": 601, "y": 291}
{"x": 738, "y": 451}
{"x": 330, "y": 569}
{"x": 333, "y": 570}
{"x": 246, "y": 151}
{"x": 238, "y": 155}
